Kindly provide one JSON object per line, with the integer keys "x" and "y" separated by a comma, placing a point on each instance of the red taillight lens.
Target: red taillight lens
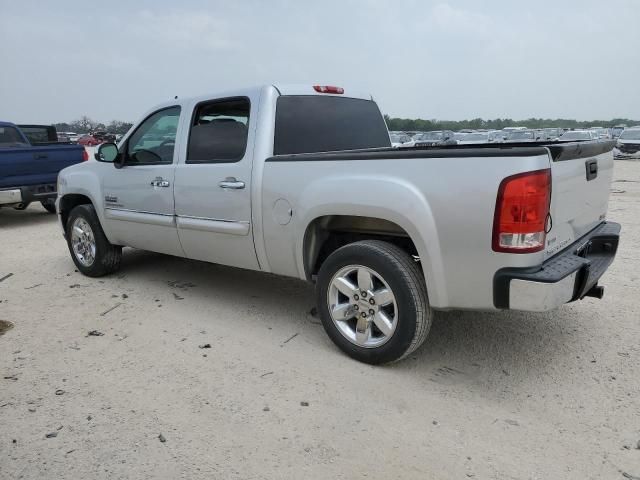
{"x": 522, "y": 208}
{"x": 85, "y": 155}
{"x": 328, "y": 89}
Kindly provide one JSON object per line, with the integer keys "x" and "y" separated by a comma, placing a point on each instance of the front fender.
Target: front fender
{"x": 402, "y": 204}
{"x": 84, "y": 180}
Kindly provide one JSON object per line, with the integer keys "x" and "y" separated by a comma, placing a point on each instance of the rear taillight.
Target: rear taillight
{"x": 85, "y": 155}
{"x": 522, "y": 208}
{"x": 328, "y": 89}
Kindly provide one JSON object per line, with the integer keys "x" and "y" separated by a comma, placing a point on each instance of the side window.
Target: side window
{"x": 154, "y": 140}
{"x": 219, "y": 131}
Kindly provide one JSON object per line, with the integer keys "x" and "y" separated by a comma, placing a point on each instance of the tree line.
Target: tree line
{"x": 85, "y": 125}
{"x": 420, "y": 125}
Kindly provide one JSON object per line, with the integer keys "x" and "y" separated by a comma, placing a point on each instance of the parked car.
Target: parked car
{"x": 553, "y": 133}
{"x": 520, "y": 136}
{"x": 473, "y": 138}
{"x": 103, "y": 136}
{"x": 88, "y": 141}
{"x": 262, "y": 179}
{"x": 28, "y": 171}
{"x": 628, "y": 144}
{"x": 497, "y": 136}
{"x": 72, "y": 136}
{"x": 577, "y": 135}
{"x": 435, "y": 138}
{"x": 399, "y": 139}
{"x": 617, "y": 130}
{"x": 601, "y": 132}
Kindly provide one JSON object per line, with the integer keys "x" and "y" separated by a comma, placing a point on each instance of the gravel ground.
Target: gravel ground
{"x": 489, "y": 396}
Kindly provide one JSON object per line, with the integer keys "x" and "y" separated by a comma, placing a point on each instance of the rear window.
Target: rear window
{"x": 310, "y": 124}
{"x": 39, "y": 133}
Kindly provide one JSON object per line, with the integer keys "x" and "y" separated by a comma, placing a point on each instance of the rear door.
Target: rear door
{"x": 213, "y": 183}
{"x": 138, "y": 198}
{"x": 581, "y": 180}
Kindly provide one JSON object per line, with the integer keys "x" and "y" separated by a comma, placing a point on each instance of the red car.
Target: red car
{"x": 88, "y": 141}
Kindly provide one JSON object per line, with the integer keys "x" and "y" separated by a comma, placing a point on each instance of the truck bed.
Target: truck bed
{"x": 35, "y": 165}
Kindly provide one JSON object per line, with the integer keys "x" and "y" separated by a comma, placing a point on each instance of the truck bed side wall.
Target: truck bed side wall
{"x": 446, "y": 205}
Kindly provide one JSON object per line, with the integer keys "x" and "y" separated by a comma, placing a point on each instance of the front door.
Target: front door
{"x": 213, "y": 184}
{"x": 139, "y": 206}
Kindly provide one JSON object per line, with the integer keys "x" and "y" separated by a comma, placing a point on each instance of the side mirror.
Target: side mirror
{"x": 107, "y": 152}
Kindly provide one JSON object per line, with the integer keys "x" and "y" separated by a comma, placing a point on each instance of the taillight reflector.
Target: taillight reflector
{"x": 85, "y": 155}
{"x": 328, "y": 89}
{"x": 522, "y": 208}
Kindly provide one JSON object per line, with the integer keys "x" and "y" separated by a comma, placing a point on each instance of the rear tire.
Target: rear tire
{"x": 90, "y": 250}
{"x": 387, "y": 322}
{"x": 49, "y": 205}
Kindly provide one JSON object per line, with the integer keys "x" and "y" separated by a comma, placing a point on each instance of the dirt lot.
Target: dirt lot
{"x": 504, "y": 396}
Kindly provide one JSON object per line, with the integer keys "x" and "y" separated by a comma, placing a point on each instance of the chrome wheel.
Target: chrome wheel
{"x": 362, "y": 306}
{"x": 83, "y": 242}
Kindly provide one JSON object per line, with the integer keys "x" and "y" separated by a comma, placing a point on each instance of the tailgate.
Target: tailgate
{"x": 581, "y": 178}
{"x": 36, "y": 165}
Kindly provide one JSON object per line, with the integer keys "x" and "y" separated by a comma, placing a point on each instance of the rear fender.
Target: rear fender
{"x": 402, "y": 204}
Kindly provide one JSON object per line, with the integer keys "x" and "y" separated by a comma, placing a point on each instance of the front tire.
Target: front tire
{"x": 373, "y": 303}
{"x": 90, "y": 250}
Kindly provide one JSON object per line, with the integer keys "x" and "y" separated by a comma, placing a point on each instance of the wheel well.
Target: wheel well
{"x": 69, "y": 202}
{"x": 326, "y": 234}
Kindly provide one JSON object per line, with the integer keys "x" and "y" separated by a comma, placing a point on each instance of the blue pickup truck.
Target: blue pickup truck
{"x": 30, "y": 160}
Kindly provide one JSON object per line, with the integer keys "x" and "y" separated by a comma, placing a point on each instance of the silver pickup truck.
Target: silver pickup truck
{"x": 302, "y": 181}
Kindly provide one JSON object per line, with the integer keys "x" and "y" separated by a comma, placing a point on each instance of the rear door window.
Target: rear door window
{"x": 315, "y": 123}
{"x": 9, "y": 137}
{"x": 219, "y": 131}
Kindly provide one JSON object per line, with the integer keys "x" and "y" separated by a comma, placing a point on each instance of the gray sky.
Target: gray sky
{"x": 429, "y": 59}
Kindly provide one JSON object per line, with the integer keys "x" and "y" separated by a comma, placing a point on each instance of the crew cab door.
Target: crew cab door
{"x": 138, "y": 198}
{"x": 213, "y": 183}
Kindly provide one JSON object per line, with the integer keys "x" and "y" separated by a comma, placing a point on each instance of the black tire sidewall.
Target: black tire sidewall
{"x": 398, "y": 344}
{"x": 88, "y": 213}
{"x": 49, "y": 205}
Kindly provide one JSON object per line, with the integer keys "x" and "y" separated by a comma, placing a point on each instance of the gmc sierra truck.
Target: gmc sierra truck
{"x": 30, "y": 159}
{"x": 302, "y": 181}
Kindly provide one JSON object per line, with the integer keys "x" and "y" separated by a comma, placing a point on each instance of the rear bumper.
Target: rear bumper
{"x": 28, "y": 194}
{"x": 570, "y": 275}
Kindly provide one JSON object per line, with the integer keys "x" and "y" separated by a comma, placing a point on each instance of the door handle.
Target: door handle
{"x": 160, "y": 182}
{"x": 231, "y": 183}
{"x": 38, "y": 156}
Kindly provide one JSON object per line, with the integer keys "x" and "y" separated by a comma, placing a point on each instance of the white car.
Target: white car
{"x": 628, "y": 145}
{"x": 399, "y": 139}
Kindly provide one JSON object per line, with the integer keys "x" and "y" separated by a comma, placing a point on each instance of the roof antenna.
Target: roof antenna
{"x": 176, "y": 97}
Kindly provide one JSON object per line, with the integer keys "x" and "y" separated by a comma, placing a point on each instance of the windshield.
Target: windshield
{"x": 576, "y": 136}
{"x": 10, "y": 137}
{"x": 521, "y": 135}
{"x": 630, "y": 135}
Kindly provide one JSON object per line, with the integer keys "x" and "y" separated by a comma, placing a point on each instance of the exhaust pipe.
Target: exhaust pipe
{"x": 596, "y": 291}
